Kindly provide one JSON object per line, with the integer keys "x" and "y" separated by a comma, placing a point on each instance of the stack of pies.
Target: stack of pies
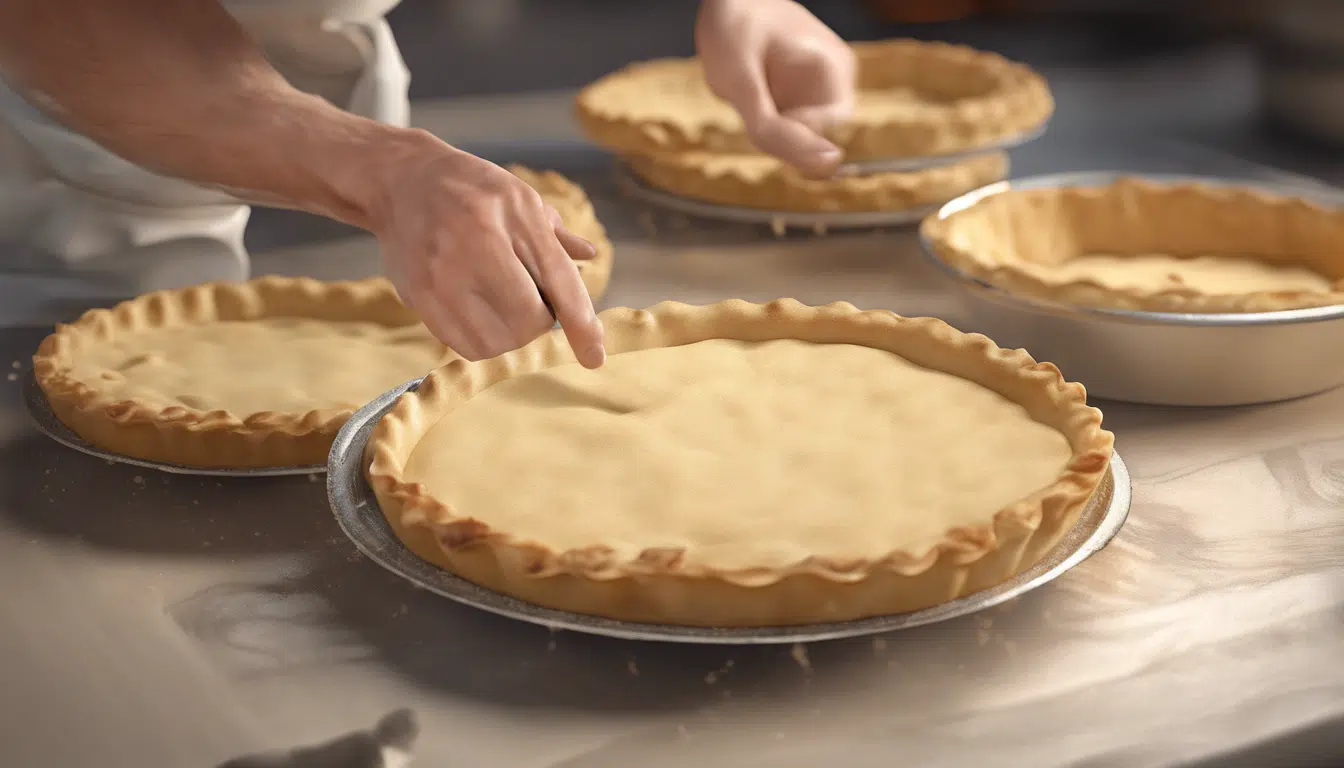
{"x": 255, "y": 374}
{"x": 740, "y": 465}
{"x": 1149, "y": 246}
{"x": 915, "y": 99}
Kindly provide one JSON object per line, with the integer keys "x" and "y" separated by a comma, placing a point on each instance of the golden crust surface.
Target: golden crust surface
{"x": 915, "y": 98}
{"x": 760, "y": 181}
{"x": 670, "y": 584}
{"x": 576, "y": 210}
{"x": 1142, "y": 245}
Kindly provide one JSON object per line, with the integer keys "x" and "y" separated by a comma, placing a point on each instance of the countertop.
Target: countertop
{"x": 161, "y": 620}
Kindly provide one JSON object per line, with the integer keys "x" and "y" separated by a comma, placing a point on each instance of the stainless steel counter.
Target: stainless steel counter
{"x": 157, "y": 620}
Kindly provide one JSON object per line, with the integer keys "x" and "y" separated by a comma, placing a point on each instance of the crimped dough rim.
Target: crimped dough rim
{"x": 372, "y": 300}
{"x": 1216, "y": 218}
{"x": 783, "y": 188}
{"x": 668, "y": 324}
{"x": 1019, "y": 101}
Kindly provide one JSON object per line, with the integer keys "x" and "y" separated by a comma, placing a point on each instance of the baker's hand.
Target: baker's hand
{"x": 785, "y": 72}
{"x": 473, "y": 249}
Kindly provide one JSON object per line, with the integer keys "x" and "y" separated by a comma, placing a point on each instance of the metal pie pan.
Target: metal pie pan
{"x": 357, "y": 511}
{"x": 1159, "y": 358}
{"x": 815, "y": 220}
{"x": 46, "y": 421}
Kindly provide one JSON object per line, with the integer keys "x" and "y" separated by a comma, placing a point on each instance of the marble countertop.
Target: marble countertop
{"x": 163, "y": 620}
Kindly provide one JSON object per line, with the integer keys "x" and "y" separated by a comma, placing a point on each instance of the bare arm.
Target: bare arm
{"x": 176, "y": 86}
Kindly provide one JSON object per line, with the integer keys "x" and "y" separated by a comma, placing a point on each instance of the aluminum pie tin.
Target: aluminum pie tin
{"x": 923, "y": 162}
{"x": 1159, "y": 358}
{"x": 46, "y": 421}
{"x": 819, "y": 221}
{"x": 357, "y": 511}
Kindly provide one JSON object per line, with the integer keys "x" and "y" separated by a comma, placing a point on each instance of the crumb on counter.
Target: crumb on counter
{"x": 799, "y": 654}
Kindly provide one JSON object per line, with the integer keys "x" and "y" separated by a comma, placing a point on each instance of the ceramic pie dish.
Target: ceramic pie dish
{"x": 760, "y": 181}
{"x": 1138, "y": 244}
{"x": 914, "y": 99}
{"x": 741, "y": 465}
{"x": 1209, "y": 347}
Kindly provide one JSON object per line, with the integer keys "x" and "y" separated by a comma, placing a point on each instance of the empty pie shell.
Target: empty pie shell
{"x": 914, "y": 99}
{"x": 760, "y": 181}
{"x": 1135, "y": 244}
{"x": 741, "y": 465}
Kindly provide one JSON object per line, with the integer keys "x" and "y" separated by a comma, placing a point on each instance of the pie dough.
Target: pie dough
{"x": 256, "y": 374}
{"x": 1141, "y": 245}
{"x": 576, "y": 211}
{"x": 742, "y": 465}
{"x": 761, "y": 181}
{"x": 914, "y": 99}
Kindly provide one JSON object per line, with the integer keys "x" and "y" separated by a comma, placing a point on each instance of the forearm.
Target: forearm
{"x": 176, "y": 86}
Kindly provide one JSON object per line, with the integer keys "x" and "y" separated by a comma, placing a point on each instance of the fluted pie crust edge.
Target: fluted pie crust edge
{"x": 1017, "y": 100}
{"x": 694, "y": 176}
{"x": 208, "y": 438}
{"x": 990, "y": 239}
{"x": 657, "y": 586}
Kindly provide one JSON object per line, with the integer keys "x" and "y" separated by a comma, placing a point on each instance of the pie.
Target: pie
{"x": 576, "y": 211}
{"x": 1143, "y": 245}
{"x": 914, "y": 99}
{"x": 255, "y": 374}
{"x": 741, "y": 464}
{"x": 761, "y": 181}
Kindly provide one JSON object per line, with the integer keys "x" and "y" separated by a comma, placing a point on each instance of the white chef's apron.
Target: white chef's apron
{"x": 70, "y": 210}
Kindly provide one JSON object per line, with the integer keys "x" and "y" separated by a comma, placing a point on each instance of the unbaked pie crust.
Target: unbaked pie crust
{"x": 742, "y": 465}
{"x": 761, "y": 181}
{"x": 1149, "y": 246}
{"x": 256, "y": 374}
{"x": 915, "y": 98}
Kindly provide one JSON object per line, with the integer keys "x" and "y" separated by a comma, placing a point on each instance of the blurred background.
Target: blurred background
{"x": 1261, "y": 81}
{"x": 1257, "y": 73}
